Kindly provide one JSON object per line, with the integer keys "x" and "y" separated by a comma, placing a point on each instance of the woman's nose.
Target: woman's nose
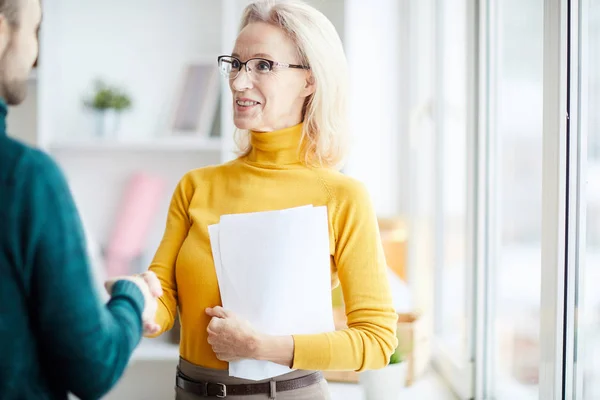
{"x": 242, "y": 81}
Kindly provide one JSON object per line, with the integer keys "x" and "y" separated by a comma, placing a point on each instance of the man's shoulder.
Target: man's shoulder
{"x": 21, "y": 161}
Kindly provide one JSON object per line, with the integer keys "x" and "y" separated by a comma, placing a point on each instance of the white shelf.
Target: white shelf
{"x": 212, "y": 144}
{"x": 510, "y": 388}
{"x": 155, "y": 350}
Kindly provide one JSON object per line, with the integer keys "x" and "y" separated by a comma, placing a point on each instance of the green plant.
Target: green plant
{"x": 106, "y": 97}
{"x": 402, "y": 350}
{"x": 397, "y": 357}
{"x": 121, "y": 101}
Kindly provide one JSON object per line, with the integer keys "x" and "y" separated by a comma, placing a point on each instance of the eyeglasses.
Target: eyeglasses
{"x": 230, "y": 66}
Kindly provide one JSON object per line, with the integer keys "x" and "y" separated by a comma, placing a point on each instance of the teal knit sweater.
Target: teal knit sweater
{"x": 56, "y": 336}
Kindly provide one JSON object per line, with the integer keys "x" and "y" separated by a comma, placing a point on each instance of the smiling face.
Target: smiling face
{"x": 272, "y": 101}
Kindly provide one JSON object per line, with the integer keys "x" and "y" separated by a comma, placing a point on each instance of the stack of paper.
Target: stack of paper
{"x": 273, "y": 270}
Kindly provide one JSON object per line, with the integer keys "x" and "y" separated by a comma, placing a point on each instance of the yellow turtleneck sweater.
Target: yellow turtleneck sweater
{"x": 271, "y": 177}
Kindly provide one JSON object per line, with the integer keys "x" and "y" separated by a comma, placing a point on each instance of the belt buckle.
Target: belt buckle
{"x": 223, "y": 391}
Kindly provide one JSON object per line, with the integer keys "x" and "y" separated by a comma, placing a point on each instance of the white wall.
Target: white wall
{"x": 372, "y": 37}
{"x": 142, "y": 45}
{"x": 21, "y": 121}
{"x": 334, "y": 10}
{"x": 146, "y": 380}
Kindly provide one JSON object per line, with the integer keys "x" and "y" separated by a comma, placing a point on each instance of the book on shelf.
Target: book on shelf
{"x": 138, "y": 210}
{"x": 198, "y": 100}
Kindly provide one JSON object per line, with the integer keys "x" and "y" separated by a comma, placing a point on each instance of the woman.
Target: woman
{"x": 287, "y": 75}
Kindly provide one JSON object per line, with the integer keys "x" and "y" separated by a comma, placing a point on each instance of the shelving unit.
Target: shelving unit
{"x": 155, "y": 350}
{"x": 171, "y": 144}
{"x": 146, "y": 52}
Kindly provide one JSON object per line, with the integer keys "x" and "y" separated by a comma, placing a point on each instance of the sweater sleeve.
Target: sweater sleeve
{"x": 163, "y": 264}
{"x": 370, "y": 338}
{"x": 87, "y": 343}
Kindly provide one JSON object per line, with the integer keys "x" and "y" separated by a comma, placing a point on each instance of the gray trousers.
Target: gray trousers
{"x": 317, "y": 391}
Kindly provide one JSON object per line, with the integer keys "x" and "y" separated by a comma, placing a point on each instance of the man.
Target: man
{"x": 55, "y": 334}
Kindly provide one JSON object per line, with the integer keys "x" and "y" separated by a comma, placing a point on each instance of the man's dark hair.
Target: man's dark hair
{"x": 11, "y": 9}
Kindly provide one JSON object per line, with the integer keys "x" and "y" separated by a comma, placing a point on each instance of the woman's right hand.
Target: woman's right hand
{"x": 151, "y": 289}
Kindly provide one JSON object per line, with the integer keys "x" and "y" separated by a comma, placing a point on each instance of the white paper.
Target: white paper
{"x": 274, "y": 270}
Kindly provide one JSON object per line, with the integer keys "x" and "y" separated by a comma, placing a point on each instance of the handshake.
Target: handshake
{"x": 151, "y": 289}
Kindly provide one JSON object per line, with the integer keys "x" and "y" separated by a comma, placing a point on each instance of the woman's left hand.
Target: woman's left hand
{"x": 231, "y": 337}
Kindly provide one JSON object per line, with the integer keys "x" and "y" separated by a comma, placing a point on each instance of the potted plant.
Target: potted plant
{"x": 386, "y": 383}
{"x": 107, "y": 103}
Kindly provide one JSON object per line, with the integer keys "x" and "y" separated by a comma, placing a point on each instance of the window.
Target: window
{"x": 517, "y": 145}
{"x": 453, "y": 194}
{"x": 452, "y": 134}
{"x": 588, "y": 294}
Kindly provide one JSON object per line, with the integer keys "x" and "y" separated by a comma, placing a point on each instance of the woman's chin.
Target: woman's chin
{"x": 244, "y": 123}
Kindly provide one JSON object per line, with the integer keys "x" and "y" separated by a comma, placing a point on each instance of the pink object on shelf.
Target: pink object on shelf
{"x": 138, "y": 208}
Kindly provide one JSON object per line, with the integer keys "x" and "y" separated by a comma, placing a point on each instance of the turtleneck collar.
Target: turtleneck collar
{"x": 3, "y": 112}
{"x": 279, "y": 147}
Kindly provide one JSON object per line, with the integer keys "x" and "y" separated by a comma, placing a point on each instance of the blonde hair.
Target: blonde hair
{"x": 325, "y": 127}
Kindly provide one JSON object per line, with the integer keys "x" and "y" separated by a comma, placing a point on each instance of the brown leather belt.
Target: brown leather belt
{"x": 220, "y": 390}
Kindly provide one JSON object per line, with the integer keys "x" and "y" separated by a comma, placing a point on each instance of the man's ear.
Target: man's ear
{"x": 5, "y": 33}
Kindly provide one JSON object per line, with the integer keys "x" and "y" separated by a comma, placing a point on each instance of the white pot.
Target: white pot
{"x": 107, "y": 123}
{"x": 385, "y": 383}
